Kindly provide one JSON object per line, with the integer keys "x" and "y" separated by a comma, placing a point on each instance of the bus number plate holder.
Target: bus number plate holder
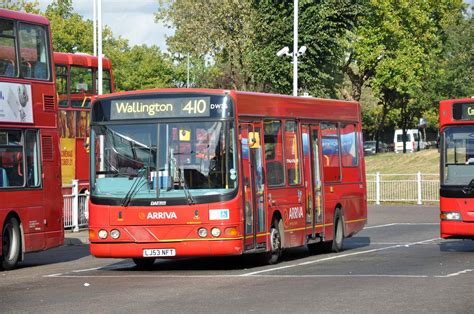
{"x": 158, "y": 252}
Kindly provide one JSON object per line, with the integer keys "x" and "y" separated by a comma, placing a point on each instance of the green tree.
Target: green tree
{"x": 21, "y": 5}
{"x": 393, "y": 51}
{"x": 220, "y": 30}
{"x": 242, "y": 38}
{"x": 70, "y": 32}
{"x": 322, "y": 27}
{"x": 143, "y": 67}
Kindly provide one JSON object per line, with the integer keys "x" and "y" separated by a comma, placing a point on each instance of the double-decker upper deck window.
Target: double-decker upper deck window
{"x": 34, "y": 52}
{"x": 61, "y": 80}
{"x": 7, "y": 49}
{"x": 81, "y": 80}
{"x": 106, "y": 82}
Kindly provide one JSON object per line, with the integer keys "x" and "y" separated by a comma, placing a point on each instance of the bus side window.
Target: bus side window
{"x": 274, "y": 153}
{"x": 331, "y": 153}
{"x": 292, "y": 153}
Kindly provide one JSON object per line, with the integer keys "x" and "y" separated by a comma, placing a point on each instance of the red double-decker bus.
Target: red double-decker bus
{"x": 76, "y": 82}
{"x": 456, "y": 126}
{"x": 31, "y": 216}
{"x": 197, "y": 172}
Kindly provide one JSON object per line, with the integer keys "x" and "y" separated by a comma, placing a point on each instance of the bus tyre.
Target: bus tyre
{"x": 338, "y": 241}
{"x": 273, "y": 256}
{"x": 11, "y": 244}
{"x": 144, "y": 263}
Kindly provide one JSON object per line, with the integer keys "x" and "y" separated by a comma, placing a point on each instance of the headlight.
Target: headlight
{"x": 115, "y": 234}
{"x": 202, "y": 232}
{"x": 103, "y": 234}
{"x": 450, "y": 216}
{"x": 215, "y": 232}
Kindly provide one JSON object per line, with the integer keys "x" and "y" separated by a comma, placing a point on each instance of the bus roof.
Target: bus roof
{"x": 80, "y": 59}
{"x": 22, "y": 16}
{"x": 263, "y": 104}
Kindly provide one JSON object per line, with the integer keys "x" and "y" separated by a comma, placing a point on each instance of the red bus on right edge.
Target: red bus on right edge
{"x": 456, "y": 126}
{"x": 198, "y": 172}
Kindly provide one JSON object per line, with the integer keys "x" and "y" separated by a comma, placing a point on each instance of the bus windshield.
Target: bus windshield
{"x": 458, "y": 155}
{"x": 164, "y": 160}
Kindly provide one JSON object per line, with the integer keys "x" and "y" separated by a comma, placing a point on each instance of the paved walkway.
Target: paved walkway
{"x": 76, "y": 238}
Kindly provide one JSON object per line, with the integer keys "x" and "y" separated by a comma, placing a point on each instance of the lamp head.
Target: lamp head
{"x": 302, "y": 50}
{"x": 283, "y": 51}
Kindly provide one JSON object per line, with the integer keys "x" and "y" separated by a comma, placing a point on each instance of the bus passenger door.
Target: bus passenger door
{"x": 253, "y": 185}
{"x": 312, "y": 177}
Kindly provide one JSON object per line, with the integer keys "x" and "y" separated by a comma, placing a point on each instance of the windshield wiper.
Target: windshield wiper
{"x": 136, "y": 185}
{"x": 187, "y": 193}
{"x": 468, "y": 188}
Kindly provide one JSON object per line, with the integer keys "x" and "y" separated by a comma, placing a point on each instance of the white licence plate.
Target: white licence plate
{"x": 158, "y": 252}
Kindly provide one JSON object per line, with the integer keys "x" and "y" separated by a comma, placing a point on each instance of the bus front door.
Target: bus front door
{"x": 253, "y": 185}
{"x": 312, "y": 177}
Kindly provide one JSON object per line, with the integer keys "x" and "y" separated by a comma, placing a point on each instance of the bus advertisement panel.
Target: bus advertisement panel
{"x": 31, "y": 216}
{"x": 76, "y": 83}
{"x": 196, "y": 172}
{"x": 457, "y": 168}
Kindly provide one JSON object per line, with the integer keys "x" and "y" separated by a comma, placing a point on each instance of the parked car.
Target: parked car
{"x": 413, "y": 141}
{"x": 369, "y": 147}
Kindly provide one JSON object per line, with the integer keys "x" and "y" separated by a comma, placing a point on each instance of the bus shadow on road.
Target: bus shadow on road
{"x": 466, "y": 245}
{"x": 57, "y": 255}
{"x": 356, "y": 243}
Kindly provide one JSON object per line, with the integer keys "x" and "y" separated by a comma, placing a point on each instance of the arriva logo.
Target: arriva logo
{"x": 161, "y": 215}
{"x": 296, "y": 213}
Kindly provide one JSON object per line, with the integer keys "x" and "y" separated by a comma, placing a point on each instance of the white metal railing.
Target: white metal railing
{"x": 75, "y": 208}
{"x": 416, "y": 187}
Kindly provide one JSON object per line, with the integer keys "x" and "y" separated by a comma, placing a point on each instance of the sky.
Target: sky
{"x": 130, "y": 19}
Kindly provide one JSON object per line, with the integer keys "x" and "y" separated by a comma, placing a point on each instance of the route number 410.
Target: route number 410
{"x": 195, "y": 106}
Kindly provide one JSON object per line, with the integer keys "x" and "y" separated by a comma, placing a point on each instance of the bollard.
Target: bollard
{"x": 377, "y": 188}
{"x": 75, "y": 205}
{"x": 418, "y": 181}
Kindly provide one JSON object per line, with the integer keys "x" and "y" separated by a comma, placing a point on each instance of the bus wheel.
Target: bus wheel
{"x": 336, "y": 244}
{"x": 11, "y": 244}
{"x": 338, "y": 241}
{"x": 274, "y": 254}
{"x": 144, "y": 263}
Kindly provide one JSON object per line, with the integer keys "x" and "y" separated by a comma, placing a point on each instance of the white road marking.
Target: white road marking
{"x": 339, "y": 256}
{"x": 237, "y": 276}
{"x": 403, "y": 224}
{"x": 456, "y": 274}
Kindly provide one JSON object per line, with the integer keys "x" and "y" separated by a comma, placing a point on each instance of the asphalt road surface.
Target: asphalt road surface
{"x": 396, "y": 264}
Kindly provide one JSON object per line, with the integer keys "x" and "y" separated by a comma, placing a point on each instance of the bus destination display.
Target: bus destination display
{"x": 160, "y": 108}
{"x": 463, "y": 111}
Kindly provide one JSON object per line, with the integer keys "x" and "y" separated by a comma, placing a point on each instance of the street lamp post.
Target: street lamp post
{"x": 296, "y": 52}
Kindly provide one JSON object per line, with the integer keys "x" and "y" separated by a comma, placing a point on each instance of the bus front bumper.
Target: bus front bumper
{"x": 457, "y": 230}
{"x": 167, "y": 249}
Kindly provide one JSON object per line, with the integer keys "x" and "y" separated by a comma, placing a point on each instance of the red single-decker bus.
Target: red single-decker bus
{"x": 456, "y": 126}
{"x": 198, "y": 172}
{"x": 31, "y": 203}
